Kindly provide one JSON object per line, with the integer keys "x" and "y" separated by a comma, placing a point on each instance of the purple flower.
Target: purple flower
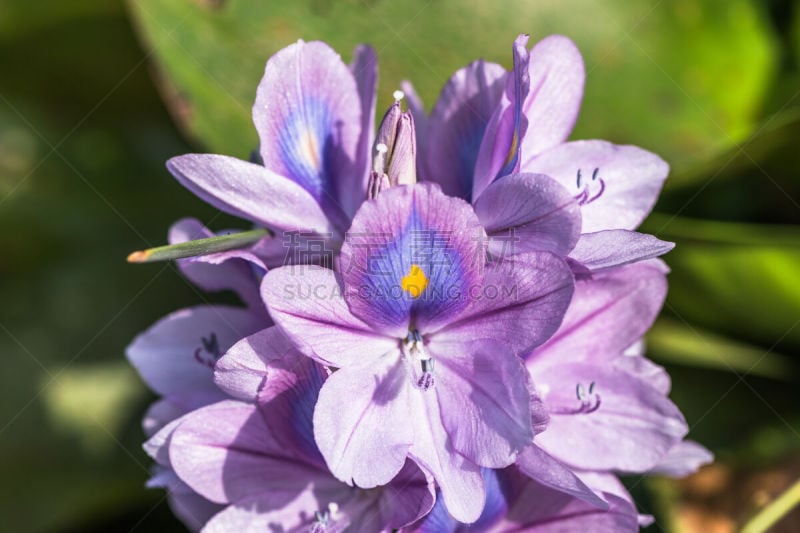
{"x": 176, "y": 356}
{"x": 315, "y": 119}
{"x": 425, "y": 337}
{"x": 260, "y": 463}
{"x": 497, "y": 139}
{"x": 443, "y": 349}
{"x": 609, "y": 410}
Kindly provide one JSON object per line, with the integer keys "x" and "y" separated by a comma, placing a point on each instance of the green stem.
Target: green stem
{"x": 210, "y": 245}
{"x": 776, "y": 510}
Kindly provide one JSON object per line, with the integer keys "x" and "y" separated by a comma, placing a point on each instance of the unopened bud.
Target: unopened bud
{"x": 384, "y": 140}
{"x": 394, "y": 154}
{"x": 377, "y": 183}
{"x": 403, "y": 162}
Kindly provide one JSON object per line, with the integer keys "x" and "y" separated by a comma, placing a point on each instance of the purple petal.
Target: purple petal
{"x": 222, "y": 271}
{"x": 683, "y": 459}
{"x": 287, "y": 400}
{"x": 177, "y": 354}
{"x": 484, "y": 400}
{"x": 533, "y": 289}
{"x": 266, "y": 367}
{"x": 543, "y": 510}
{"x": 645, "y": 370}
{"x": 548, "y": 471}
{"x": 529, "y": 212}
{"x": 411, "y": 251}
{"x": 241, "y": 371}
{"x": 297, "y": 248}
{"x": 226, "y": 453}
{"x": 361, "y": 422}
{"x": 307, "y": 304}
{"x": 249, "y": 191}
{"x": 459, "y": 479}
{"x": 557, "y": 78}
{"x": 616, "y": 186}
{"x": 604, "y": 483}
{"x": 256, "y": 514}
{"x": 457, "y": 125}
{"x": 439, "y": 521}
{"x": 157, "y": 446}
{"x": 607, "y": 314}
{"x": 613, "y": 422}
{"x": 190, "y": 508}
{"x": 351, "y": 188}
{"x": 309, "y": 119}
{"x": 499, "y": 153}
{"x": 164, "y": 411}
{"x": 408, "y": 497}
{"x": 612, "y": 248}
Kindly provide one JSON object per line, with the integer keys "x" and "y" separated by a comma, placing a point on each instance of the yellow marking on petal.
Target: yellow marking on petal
{"x": 415, "y": 282}
{"x": 512, "y": 150}
{"x": 308, "y": 148}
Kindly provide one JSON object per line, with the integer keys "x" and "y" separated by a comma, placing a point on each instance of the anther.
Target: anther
{"x": 210, "y": 346}
{"x": 321, "y": 521}
{"x": 585, "y": 197}
{"x": 588, "y": 398}
{"x": 398, "y": 95}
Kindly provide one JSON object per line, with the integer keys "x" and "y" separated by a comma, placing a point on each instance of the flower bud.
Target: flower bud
{"x": 394, "y": 152}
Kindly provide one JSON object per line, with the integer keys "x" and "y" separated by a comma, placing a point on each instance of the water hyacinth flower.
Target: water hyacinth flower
{"x": 315, "y": 137}
{"x": 609, "y": 409}
{"x": 498, "y": 139}
{"x": 425, "y": 341}
{"x": 177, "y": 355}
{"x": 259, "y": 462}
{"x": 441, "y": 355}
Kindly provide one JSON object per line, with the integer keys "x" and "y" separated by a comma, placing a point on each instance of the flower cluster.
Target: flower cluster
{"x": 442, "y": 330}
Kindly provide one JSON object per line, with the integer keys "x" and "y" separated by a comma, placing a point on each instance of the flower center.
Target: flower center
{"x": 421, "y": 363}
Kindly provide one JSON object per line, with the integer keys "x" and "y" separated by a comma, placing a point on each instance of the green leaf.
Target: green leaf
{"x": 210, "y": 245}
{"x": 673, "y": 341}
{"x": 774, "y": 135}
{"x": 683, "y": 78}
{"x": 736, "y": 279}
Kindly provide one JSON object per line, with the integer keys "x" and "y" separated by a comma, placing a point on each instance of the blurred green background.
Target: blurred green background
{"x": 96, "y": 94}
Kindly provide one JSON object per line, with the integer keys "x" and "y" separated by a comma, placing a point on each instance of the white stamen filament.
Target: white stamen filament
{"x": 421, "y": 363}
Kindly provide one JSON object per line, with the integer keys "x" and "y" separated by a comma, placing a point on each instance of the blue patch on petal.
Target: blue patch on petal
{"x": 468, "y": 150}
{"x": 496, "y": 505}
{"x": 418, "y": 273}
{"x": 438, "y": 520}
{"x": 302, "y": 402}
{"x": 306, "y": 141}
